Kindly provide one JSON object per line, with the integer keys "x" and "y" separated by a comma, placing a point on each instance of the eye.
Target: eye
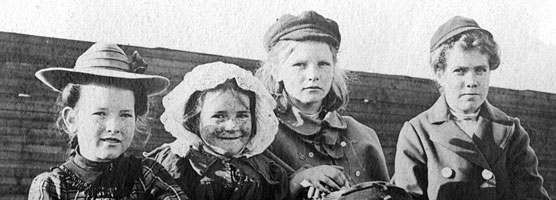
{"x": 481, "y": 70}
{"x": 243, "y": 115}
{"x": 218, "y": 116}
{"x": 100, "y": 113}
{"x": 324, "y": 64}
{"x": 459, "y": 71}
{"x": 127, "y": 115}
{"x": 299, "y": 64}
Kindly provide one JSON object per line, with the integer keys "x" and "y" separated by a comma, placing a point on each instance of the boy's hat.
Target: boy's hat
{"x": 452, "y": 27}
{"x": 104, "y": 60}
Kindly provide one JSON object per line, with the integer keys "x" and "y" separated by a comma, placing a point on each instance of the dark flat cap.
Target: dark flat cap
{"x": 309, "y": 25}
{"x": 452, "y": 27}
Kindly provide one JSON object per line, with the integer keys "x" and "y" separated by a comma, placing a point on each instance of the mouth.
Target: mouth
{"x": 111, "y": 140}
{"x": 470, "y": 94}
{"x": 312, "y": 88}
{"x": 231, "y": 138}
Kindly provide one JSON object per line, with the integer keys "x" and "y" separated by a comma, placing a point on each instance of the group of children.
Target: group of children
{"x": 273, "y": 135}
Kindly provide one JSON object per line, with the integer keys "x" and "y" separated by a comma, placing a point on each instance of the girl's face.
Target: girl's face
{"x": 104, "y": 121}
{"x": 225, "y": 121}
{"x": 465, "y": 80}
{"x": 307, "y": 72}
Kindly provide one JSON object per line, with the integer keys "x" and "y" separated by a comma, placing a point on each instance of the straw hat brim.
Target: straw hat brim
{"x": 58, "y": 78}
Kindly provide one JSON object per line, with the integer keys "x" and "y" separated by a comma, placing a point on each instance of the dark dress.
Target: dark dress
{"x": 123, "y": 178}
{"x": 206, "y": 177}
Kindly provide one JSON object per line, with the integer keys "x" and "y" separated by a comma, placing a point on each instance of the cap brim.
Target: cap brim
{"x": 58, "y": 78}
{"x": 453, "y": 33}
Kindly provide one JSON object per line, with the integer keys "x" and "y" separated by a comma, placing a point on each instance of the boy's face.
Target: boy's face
{"x": 465, "y": 80}
{"x": 225, "y": 121}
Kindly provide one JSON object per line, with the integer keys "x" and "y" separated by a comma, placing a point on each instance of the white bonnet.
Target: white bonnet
{"x": 208, "y": 76}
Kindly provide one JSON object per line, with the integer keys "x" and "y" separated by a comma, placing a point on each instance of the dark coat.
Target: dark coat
{"x": 335, "y": 140}
{"x": 435, "y": 159}
{"x": 206, "y": 177}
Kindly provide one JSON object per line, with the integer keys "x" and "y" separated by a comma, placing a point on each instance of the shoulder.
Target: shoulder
{"x": 47, "y": 183}
{"x": 353, "y": 124}
{"x": 357, "y": 129}
{"x": 162, "y": 155}
{"x": 47, "y": 178}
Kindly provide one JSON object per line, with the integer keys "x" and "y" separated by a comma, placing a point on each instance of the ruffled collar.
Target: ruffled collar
{"x": 323, "y": 133}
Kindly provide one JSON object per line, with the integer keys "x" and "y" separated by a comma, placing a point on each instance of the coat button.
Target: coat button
{"x": 447, "y": 172}
{"x": 357, "y": 173}
{"x": 311, "y": 154}
{"x": 487, "y": 174}
{"x": 343, "y": 144}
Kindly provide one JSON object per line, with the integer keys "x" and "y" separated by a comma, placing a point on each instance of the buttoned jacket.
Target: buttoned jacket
{"x": 435, "y": 159}
{"x": 335, "y": 140}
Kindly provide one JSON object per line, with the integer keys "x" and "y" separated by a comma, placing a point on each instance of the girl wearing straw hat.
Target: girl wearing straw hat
{"x": 223, "y": 120}
{"x": 103, "y": 100}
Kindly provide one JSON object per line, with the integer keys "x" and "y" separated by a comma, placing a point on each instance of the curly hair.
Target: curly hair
{"x": 469, "y": 40}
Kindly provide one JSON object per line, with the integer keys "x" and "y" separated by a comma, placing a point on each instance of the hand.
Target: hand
{"x": 324, "y": 178}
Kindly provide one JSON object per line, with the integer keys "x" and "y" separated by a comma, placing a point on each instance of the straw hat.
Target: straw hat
{"x": 104, "y": 60}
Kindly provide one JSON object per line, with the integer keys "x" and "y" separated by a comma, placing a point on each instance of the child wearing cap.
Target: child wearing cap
{"x": 103, "y": 100}
{"x": 222, "y": 118}
{"x": 326, "y": 150}
{"x": 463, "y": 147}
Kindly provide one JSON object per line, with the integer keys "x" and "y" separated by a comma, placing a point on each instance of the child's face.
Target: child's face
{"x": 307, "y": 72}
{"x": 104, "y": 120}
{"x": 225, "y": 120}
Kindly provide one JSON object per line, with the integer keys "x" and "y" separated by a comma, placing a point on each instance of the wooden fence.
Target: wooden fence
{"x": 30, "y": 144}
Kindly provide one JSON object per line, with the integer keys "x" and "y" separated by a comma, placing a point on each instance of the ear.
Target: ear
{"x": 69, "y": 115}
{"x": 440, "y": 77}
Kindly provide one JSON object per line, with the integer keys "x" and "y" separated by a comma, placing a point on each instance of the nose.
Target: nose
{"x": 312, "y": 73}
{"x": 231, "y": 125}
{"x": 471, "y": 80}
{"x": 112, "y": 125}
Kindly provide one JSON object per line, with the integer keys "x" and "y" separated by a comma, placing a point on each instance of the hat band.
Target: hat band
{"x": 94, "y": 64}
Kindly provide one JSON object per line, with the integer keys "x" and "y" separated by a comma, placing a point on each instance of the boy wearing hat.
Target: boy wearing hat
{"x": 463, "y": 147}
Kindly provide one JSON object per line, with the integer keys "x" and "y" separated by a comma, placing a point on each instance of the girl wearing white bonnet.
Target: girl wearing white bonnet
{"x": 222, "y": 118}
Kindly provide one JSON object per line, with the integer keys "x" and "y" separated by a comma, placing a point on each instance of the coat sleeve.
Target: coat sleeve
{"x": 159, "y": 183}
{"x": 41, "y": 187}
{"x": 523, "y": 167}
{"x": 410, "y": 163}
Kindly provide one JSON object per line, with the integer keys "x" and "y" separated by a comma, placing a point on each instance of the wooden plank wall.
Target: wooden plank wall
{"x": 30, "y": 144}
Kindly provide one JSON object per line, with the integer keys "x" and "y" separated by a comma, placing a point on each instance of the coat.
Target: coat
{"x": 203, "y": 176}
{"x": 334, "y": 140}
{"x": 435, "y": 159}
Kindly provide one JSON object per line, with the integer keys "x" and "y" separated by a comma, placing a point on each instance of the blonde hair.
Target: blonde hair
{"x": 336, "y": 99}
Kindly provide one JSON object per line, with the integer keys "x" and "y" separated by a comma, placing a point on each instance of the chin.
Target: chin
{"x": 110, "y": 155}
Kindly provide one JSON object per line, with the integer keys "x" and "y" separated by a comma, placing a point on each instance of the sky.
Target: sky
{"x": 387, "y": 37}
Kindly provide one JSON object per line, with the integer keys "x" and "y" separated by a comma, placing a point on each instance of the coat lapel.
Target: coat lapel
{"x": 446, "y": 133}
